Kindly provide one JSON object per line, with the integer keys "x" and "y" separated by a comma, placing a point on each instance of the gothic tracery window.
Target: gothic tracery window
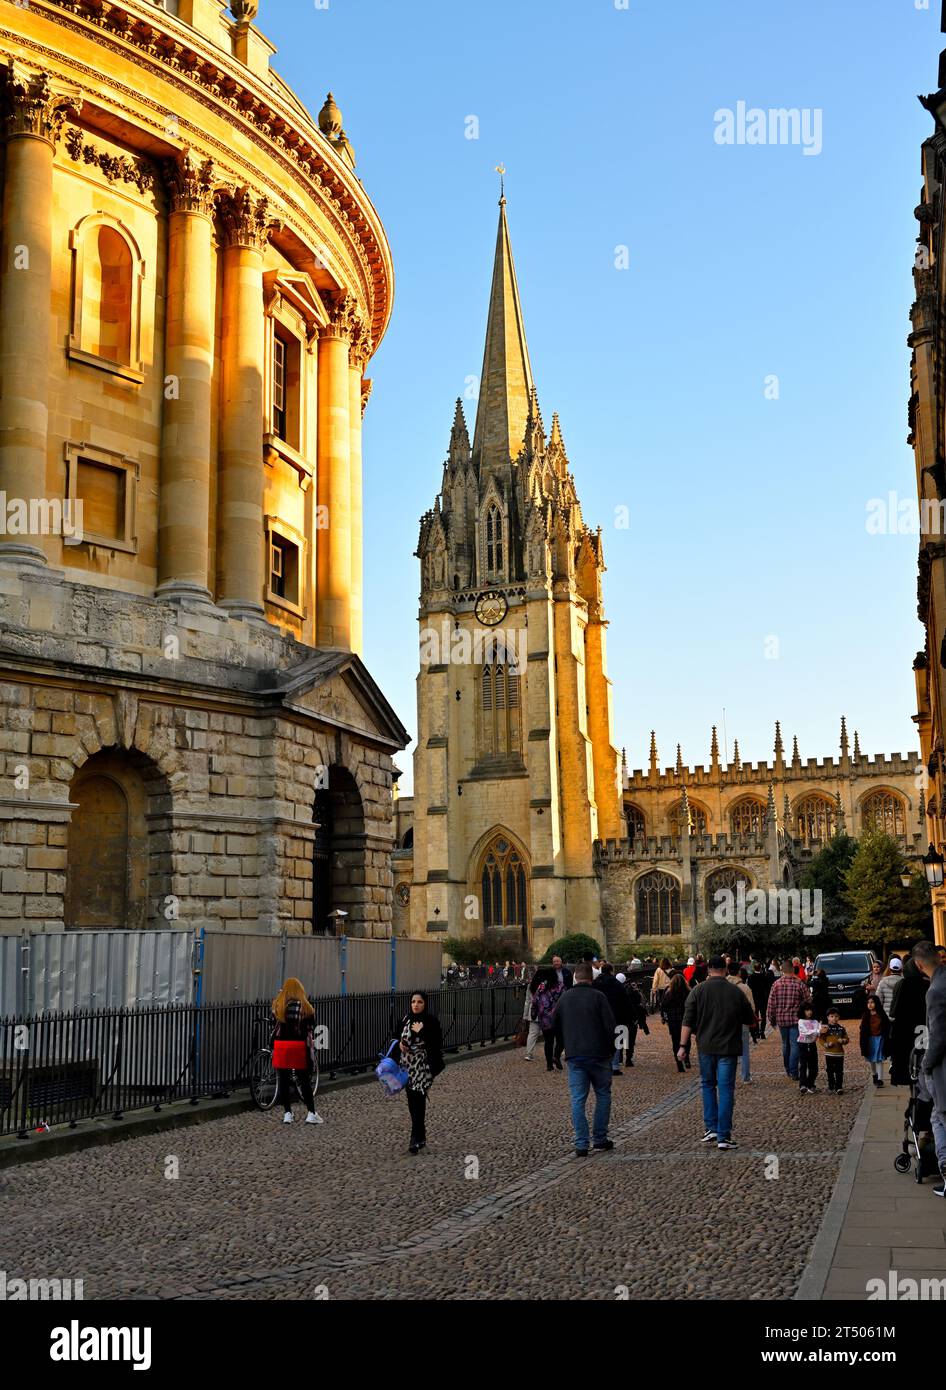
{"x": 885, "y": 811}
{"x": 815, "y": 818}
{"x": 747, "y": 817}
{"x": 697, "y": 819}
{"x": 720, "y": 880}
{"x": 503, "y": 887}
{"x": 658, "y": 905}
{"x": 494, "y": 541}
{"x": 636, "y": 823}
{"x": 500, "y": 727}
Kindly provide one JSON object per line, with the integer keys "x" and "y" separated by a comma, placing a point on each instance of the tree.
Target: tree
{"x": 882, "y": 909}
{"x": 572, "y": 948}
{"x": 828, "y": 871}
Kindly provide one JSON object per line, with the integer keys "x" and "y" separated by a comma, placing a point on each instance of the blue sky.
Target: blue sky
{"x": 747, "y": 515}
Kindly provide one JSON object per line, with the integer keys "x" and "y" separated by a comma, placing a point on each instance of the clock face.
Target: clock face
{"x": 491, "y": 609}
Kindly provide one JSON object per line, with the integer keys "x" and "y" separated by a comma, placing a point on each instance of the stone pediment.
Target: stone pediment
{"x": 337, "y": 687}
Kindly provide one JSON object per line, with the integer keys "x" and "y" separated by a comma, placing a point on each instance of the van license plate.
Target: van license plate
{"x": 844, "y": 999}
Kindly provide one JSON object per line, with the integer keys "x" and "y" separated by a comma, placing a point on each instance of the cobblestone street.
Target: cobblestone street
{"x": 263, "y": 1210}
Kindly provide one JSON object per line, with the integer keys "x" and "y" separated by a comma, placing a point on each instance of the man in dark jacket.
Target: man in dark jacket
{"x": 562, "y": 972}
{"x": 928, "y": 959}
{"x": 617, "y": 997}
{"x": 716, "y": 1012}
{"x": 585, "y": 1029}
{"x": 760, "y": 984}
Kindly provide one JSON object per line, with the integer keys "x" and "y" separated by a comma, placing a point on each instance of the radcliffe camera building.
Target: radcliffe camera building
{"x": 193, "y": 283}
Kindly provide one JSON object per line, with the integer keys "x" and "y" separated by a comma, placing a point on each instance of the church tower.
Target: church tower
{"x": 515, "y": 770}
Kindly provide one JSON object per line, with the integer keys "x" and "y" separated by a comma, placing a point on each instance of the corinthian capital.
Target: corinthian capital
{"x": 246, "y": 220}
{"x": 190, "y": 185}
{"x": 345, "y": 321}
{"x": 33, "y": 104}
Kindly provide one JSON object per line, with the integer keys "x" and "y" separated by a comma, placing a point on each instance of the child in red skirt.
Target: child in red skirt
{"x": 294, "y": 1018}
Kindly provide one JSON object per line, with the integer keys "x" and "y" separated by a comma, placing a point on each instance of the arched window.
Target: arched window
{"x": 408, "y": 840}
{"x": 106, "y": 305}
{"x": 698, "y": 819}
{"x": 747, "y": 817}
{"x": 636, "y": 823}
{"x": 815, "y": 818}
{"x": 885, "y": 811}
{"x": 503, "y": 879}
{"x": 500, "y": 725}
{"x": 723, "y": 880}
{"x": 658, "y": 905}
{"x": 494, "y": 540}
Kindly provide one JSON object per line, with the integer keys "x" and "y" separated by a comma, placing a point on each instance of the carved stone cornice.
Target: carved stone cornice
{"x": 360, "y": 348}
{"x": 245, "y": 219}
{"x": 190, "y": 185}
{"x": 138, "y": 171}
{"x": 345, "y": 320}
{"x": 924, "y": 310}
{"x": 366, "y": 385}
{"x": 34, "y": 105}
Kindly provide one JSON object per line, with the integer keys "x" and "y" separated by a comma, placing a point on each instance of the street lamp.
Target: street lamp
{"x": 933, "y": 864}
{"x": 906, "y": 880}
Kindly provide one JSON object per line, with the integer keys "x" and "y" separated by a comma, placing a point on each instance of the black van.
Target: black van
{"x": 846, "y": 972}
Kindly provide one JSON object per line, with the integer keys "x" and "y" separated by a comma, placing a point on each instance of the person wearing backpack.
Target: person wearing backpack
{"x": 294, "y": 1018}
{"x": 422, "y": 1057}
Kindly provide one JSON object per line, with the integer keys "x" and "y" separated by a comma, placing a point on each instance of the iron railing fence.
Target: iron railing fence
{"x": 64, "y": 1068}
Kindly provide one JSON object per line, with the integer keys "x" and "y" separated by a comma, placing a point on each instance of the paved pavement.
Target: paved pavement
{"x": 495, "y": 1207}
{"x": 891, "y": 1228}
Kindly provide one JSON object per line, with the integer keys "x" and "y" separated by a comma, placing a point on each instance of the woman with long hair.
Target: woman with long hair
{"x": 422, "y": 1056}
{"x": 294, "y": 1018}
{"x": 821, "y": 995}
{"x": 671, "y": 1011}
{"x": 547, "y": 994}
{"x": 875, "y": 1031}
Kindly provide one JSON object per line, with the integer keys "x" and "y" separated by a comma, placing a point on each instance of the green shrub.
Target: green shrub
{"x": 572, "y": 947}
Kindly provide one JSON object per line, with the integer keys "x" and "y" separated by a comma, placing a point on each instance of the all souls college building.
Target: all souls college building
{"x": 524, "y": 820}
{"x": 193, "y": 282}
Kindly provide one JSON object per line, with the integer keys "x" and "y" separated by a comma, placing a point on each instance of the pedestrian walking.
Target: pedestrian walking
{"x": 547, "y": 994}
{"x": 929, "y": 959}
{"x": 787, "y": 995}
{"x": 638, "y": 1016}
{"x": 422, "y": 1056}
{"x": 671, "y": 1011}
{"x": 737, "y": 976}
{"x": 888, "y": 982}
{"x": 612, "y": 987}
{"x": 834, "y": 1039}
{"x": 690, "y": 968}
{"x": 875, "y": 1031}
{"x": 293, "y": 1040}
{"x": 660, "y": 982}
{"x": 809, "y": 1031}
{"x": 760, "y": 983}
{"x": 562, "y": 973}
{"x": 535, "y": 1032}
{"x": 869, "y": 985}
{"x": 907, "y": 1014}
{"x": 716, "y": 1013}
{"x": 585, "y": 1030}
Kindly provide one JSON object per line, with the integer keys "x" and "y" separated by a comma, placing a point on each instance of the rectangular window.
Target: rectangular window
{"x": 279, "y": 388}
{"x": 101, "y": 490}
{"x": 284, "y": 569}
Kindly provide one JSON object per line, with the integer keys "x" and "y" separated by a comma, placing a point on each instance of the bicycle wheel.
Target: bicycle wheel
{"x": 263, "y": 1080}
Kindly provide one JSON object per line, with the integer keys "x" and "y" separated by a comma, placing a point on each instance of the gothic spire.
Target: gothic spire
{"x": 736, "y": 760}
{"x": 653, "y": 753}
{"x": 503, "y": 409}
{"x": 779, "y": 751}
{"x": 844, "y": 743}
{"x": 679, "y": 762}
{"x": 771, "y": 815}
{"x": 796, "y": 758}
{"x": 839, "y": 826}
{"x": 714, "y": 750}
{"x": 857, "y": 746}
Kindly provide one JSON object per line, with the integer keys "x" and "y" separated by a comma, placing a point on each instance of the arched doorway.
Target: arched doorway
{"x": 339, "y": 879}
{"x": 112, "y": 868}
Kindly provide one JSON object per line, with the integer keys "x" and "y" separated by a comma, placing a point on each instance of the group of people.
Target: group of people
{"x": 511, "y": 972}
{"x": 592, "y": 1017}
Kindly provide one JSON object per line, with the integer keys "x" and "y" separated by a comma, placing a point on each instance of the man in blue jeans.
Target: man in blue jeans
{"x": 716, "y": 1013}
{"x": 585, "y": 1030}
{"x": 786, "y": 997}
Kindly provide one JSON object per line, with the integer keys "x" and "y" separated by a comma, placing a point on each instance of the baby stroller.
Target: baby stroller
{"x": 918, "y": 1151}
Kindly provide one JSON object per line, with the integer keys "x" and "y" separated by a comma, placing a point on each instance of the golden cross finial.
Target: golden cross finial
{"x": 501, "y": 169}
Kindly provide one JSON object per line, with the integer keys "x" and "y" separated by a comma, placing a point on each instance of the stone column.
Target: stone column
{"x": 34, "y": 111}
{"x": 246, "y": 228}
{"x": 333, "y": 455}
{"x": 184, "y": 497}
{"x": 357, "y": 361}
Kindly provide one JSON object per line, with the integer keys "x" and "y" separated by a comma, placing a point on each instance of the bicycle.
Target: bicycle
{"x": 264, "y": 1082}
